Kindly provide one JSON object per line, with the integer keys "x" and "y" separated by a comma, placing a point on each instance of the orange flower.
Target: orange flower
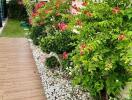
{"x": 121, "y": 37}
{"x": 35, "y": 14}
{"x": 82, "y": 46}
{"x": 115, "y": 10}
{"x": 57, "y": 4}
{"x": 58, "y": 14}
{"x": 89, "y": 14}
{"x": 48, "y": 11}
{"x": 78, "y": 22}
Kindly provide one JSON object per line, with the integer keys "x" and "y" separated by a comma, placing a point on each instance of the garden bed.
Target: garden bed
{"x": 56, "y": 86}
{"x": 97, "y": 59}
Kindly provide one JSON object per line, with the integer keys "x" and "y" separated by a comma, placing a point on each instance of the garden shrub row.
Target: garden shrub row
{"x": 94, "y": 39}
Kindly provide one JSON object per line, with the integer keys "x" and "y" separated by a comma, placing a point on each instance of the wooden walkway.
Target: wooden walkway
{"x": 19, "y": 78}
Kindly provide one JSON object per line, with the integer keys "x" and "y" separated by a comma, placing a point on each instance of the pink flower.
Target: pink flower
{"x": 65, "y": 55}
{"x": 74, "y": 11}
{"x": 62, "y": 26}
{"x": 77, "y": 4}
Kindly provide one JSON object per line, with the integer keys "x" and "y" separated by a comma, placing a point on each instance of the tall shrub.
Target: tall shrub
{"x": 103, "y": 55}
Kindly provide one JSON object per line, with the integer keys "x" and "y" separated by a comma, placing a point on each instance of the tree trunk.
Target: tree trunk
{"x": 0, "y": 21}
{"x": 104, "y": 95}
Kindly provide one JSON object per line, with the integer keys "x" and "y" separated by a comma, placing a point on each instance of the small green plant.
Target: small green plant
{"x": 52, "y": 62}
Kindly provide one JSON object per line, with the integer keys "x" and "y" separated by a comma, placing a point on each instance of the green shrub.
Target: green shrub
{"x": 102, "y": 58}
{"x": 59, "y": 43}
{"x": 36, "y": 33}
{"x": 53, "y": 18}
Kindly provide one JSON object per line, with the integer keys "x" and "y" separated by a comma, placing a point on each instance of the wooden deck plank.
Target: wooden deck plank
{"x": 19, "y": 77}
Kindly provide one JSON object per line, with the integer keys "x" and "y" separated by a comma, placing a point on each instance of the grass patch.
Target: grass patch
{"x": 13, "y": 29}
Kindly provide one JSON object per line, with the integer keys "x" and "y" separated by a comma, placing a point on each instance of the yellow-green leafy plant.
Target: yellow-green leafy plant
{"x": 102, "y": 58}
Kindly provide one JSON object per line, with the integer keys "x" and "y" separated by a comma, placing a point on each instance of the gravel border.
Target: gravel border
{"x": 55, "y": 86}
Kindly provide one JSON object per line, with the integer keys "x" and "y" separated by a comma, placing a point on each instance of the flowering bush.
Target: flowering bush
{"x": 53, "y": 18}
{"x": 102, "y": 57}
{"x": 101, "y": 60}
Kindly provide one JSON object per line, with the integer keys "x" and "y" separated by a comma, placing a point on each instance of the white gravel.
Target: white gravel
{"x": 55, "y": 86}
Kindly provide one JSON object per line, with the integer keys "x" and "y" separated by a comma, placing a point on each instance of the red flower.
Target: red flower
{"x": 39, "y": 5}
{"x": 82, "y": 46}
{"x": 58, "y": 14}
{"x": 115, "y": 10}
{"x": 62, "y": 26}
{"x": 78, "y": 22}
{"x": 121, "y": 37}
{"x": 81, "y": 52}
{"x": 84, "y": 4}
{"x": 89, "y": 14}
{"x": 65, "y": 55}
{"x": 48, "y": 11}
{"x": 35, "y": 14}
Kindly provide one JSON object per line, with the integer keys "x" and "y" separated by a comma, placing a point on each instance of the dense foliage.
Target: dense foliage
{"x": 99, "y": 35}
{"x": 58, "y": 43}
{"x": 102, "y": 58}
{"x": 49, "y": 21}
